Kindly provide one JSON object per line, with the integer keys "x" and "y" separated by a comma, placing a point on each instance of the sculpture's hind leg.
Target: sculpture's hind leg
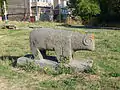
{"x": 35, "y": 51}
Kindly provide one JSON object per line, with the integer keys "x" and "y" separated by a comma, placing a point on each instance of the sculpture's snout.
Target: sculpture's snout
{"x": 93, "y": 41}
{"x": 92, "y": 36}
{"x": 89, "y": 42}
{"x": 92, "y": 45}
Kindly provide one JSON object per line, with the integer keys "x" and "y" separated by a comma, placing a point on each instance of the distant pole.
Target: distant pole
{"x": 52, "y": 1}
{"x": 37, "y": 10}
{"x": 52, "y": 9}
{"x": 59, "y": 2}
{"x": 5, "y": 11}
{"x": 30, "y": 11}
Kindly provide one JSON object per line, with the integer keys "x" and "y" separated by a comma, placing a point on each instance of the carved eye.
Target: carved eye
{"x": 87, "y": 40}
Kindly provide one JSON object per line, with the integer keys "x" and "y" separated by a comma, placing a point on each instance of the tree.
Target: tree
{"x": 84, "y": 8}
{"x": 110, "y": 10}
{"x": 2, "y": 6}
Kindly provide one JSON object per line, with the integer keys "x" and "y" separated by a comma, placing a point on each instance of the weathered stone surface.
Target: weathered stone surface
{"x": 63, "y": 42}
{"x": 47, "y": 63}
{"x": 42, "y": 63}
{"x": 78, "y": 66}
{"x": 23, "y": 60}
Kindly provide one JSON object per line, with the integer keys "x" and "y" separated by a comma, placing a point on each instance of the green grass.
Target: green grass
{"x": 105, "y": 73}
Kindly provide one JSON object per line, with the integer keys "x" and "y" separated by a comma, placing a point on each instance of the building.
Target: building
{"x": 44, "y": 9}
{"x": 24, "y": 9}
{"x": 17, "y": 9}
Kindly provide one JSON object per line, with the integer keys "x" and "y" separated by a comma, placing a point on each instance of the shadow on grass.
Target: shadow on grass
{"x": 13, "y": 59}
{"x": 89, "y": 27}
{"x": 52, "y": 58}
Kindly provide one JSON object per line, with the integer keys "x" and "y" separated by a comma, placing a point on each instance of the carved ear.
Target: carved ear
{"x": 87, "y": 40}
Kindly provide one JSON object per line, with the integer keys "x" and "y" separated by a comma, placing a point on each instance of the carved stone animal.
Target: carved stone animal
{"x": 63, "y": 42}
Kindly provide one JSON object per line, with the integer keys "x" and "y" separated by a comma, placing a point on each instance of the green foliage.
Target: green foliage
{"x": 63, "y": 70}
{"x": 29, "y": 67}
{"x": 84, "y": 8}
{"x": 110, "y": 10}
{"x": 114, "y": 74}
{"x": 67, "y": 84}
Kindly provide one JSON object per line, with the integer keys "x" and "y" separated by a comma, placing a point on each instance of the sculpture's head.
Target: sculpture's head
{"x": 89, "y": 42}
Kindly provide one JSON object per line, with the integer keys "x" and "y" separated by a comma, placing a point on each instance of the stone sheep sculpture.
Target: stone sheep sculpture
{"x": 63, "y": 42}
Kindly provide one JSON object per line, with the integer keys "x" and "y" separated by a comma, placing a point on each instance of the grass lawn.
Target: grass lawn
{"x": 105, "y": 74}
